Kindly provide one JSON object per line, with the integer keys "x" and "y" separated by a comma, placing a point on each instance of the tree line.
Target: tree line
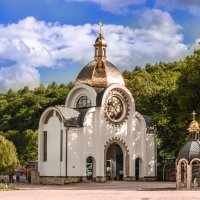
{"x": 168, "y": 92}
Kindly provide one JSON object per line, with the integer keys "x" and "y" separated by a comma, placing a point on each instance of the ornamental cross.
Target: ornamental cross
{"x": 193, "y": 113}
{"x": 100, "y": 27}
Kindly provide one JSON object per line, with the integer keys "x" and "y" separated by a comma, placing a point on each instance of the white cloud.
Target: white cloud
{"x": 18, "y": 76}
{"x": 30, "y": 44}
{"x": 113, "y": 6}
{"x": 158, "y": 39}
{"x": 193, "y": 6}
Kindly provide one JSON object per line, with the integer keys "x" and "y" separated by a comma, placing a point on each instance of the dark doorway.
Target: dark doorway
{"x": 196, "y": 173}
{"x": 114, "y": 162}
{"x": 137, "y": 169}
{"x": 90, "y": 168}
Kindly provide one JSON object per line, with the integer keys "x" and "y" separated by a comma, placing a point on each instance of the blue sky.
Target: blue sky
{"x": 42, "y": 41}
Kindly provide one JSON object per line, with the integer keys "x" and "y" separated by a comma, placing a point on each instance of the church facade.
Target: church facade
{"x": 98, "y": 135}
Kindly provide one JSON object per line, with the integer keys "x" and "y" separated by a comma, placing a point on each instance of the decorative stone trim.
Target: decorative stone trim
{"x": 123, "y": 145}
{"x": 194, "y": 159}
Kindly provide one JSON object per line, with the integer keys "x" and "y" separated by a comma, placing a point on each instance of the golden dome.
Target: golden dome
{"x": 194, "y": 125}
{"x": 100, "y": 72}
{"x": 100, "y": 41}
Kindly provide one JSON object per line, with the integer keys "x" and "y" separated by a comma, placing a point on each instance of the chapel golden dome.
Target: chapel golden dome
{"x": 100, "y": 72}
{"x": 194, "y": 125}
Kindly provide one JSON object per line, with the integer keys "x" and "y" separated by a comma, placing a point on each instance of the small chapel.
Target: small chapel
{"x": 188, "y": 161}
{"x": 98, "y": 135}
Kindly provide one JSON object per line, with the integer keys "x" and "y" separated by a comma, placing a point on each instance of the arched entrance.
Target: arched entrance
{"x": 195, "y": 173}
{"x": 91, "y": 169}
{"x": 122, "y": 159}
{"x": 114, "y": 162}
{"x": 183, "y": 177}
{"x": 183, "y": 174}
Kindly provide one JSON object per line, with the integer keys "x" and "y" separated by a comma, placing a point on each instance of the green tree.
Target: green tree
{"x": 187, "y": 93}
{"x": 31, "y": 147}
{"x": 26, "y": 144}
{"x": 8, "y": 155}
{"x": 188, "y": 89}
{"x": 153, "y": 89}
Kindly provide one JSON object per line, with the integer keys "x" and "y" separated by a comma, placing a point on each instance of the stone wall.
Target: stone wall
{"x": 50, "y": 180}
{"x": 35, "y": 177}
{"x": 149, "y": 178}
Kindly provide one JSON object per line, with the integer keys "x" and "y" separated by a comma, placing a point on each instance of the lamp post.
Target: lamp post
{"x": 26, "y": 166}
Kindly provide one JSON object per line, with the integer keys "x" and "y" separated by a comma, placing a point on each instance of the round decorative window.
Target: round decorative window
{"x": 116, "y": 107}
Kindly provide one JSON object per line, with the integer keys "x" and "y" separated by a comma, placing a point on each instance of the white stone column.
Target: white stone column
{"x": 189, "y": 176}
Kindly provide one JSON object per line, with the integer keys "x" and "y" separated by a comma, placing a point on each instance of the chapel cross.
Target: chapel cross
{"x": 193, "y": 113}
{"x": 100, "y": 27}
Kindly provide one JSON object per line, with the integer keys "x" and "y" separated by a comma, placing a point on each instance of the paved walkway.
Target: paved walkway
{"x": 101, "y": 191}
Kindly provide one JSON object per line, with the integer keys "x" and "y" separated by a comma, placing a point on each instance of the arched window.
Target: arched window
{"x": 83, "y": 102}
{"x": 104, "y": 51}
{"x": 96, "y": 51}
{"x": 183, "y": 174}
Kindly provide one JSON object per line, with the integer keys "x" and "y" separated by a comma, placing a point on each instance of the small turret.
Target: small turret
{"x": 100, "y": 46}
{"x": 100, "y": 72}
{"x": 194, "y": 128}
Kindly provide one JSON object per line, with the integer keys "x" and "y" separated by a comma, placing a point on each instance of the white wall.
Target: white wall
{"x": 53, "y": 166}
{"x": 150, "y": 152}
{"x": 74, "y": 154}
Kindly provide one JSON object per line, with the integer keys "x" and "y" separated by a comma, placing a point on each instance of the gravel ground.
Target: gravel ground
{"x": 101, "y": 191}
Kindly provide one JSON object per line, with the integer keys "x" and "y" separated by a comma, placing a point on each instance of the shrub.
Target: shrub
{"x": 7, "y": 187}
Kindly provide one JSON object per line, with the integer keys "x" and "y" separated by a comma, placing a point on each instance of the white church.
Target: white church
{"x": 98, "y": 135}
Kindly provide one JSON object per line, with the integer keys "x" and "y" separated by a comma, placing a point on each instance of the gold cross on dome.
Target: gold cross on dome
{"x": 193, "y": 113}
{"x": 100, "y": 27}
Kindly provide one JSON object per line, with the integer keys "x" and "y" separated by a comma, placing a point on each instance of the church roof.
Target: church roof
{"x": 68, "y": 113}
{"x": 81, "y": 117}
{"x": 100, "y": 72}
{"x": 190, "y": 150}
{"x": 103, "y": 76}
{"x": 70, "y": 116}
{"x": 73, "y": 117}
